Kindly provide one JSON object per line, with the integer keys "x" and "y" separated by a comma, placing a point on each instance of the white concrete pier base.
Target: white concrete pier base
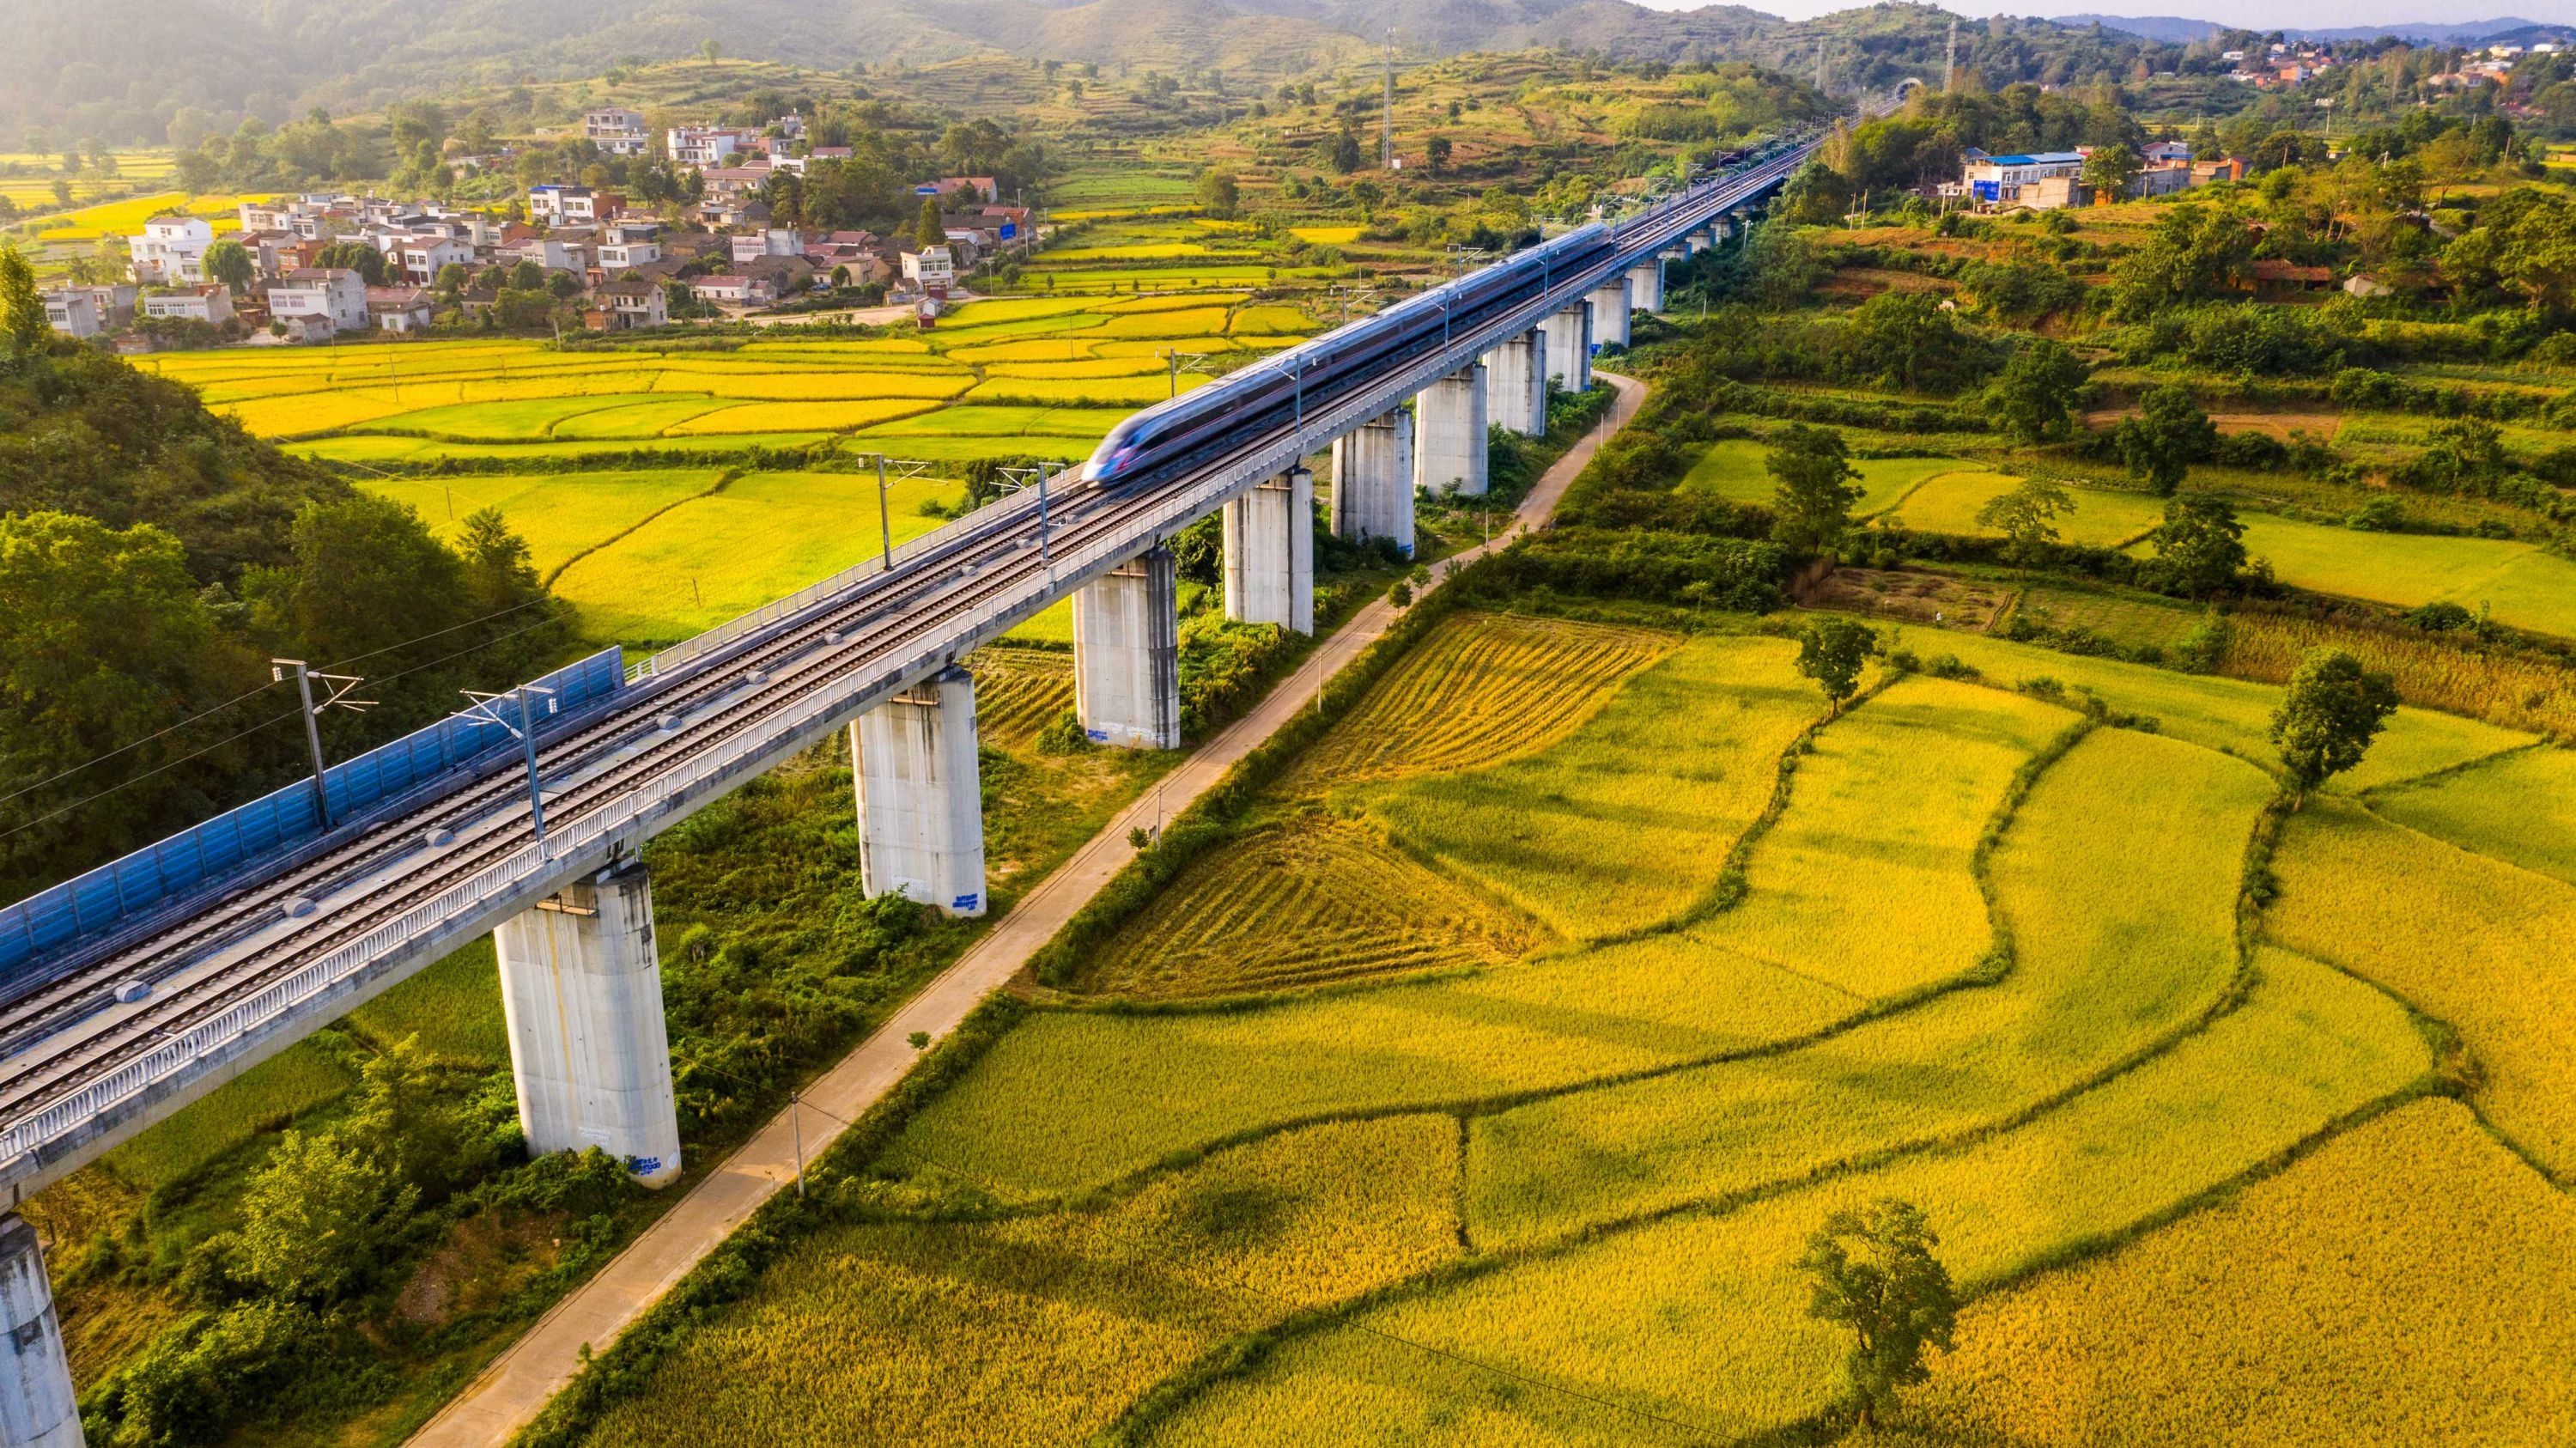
{"x": 1270, "y": 552}
{"x": 1127, "y": 655}
{"x": 1569, "y": 347}
{"x": 1373, "y": 481}
{"x": 1610, "y": 305}
{"x": 1646, "y": 285}
{"x": 37, "y": 1408}
{"x": 581, "y": 990}
{"x": 1516, "y": 384}
{"x": 1698, "y": 241}
{"x": 1449, "y": 434}
{"x": 921, "y": 800}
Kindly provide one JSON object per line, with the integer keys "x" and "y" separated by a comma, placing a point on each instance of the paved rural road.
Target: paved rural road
{"x": 517, "y": 1384}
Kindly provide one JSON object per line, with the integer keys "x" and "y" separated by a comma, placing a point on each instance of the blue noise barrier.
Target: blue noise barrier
{"x": 209, "y": 854}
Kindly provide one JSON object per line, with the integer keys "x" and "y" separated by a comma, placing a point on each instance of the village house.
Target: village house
{"x": 211, "y": 303}
{"x": 741, "y": 289}
{"x": 398, "y": 309}
{"x": 704, "y": 146}
{"x": 421, "y": 258}
{"x": 617, "y": 131}
{"x": 929, "y": 271}
{"x": 171, "y": 250}
{"x": 74, "y": 312}
{"x": 335, "y": 295}
{"x": 557, "y": 205}
{"x": 625, "y": 304}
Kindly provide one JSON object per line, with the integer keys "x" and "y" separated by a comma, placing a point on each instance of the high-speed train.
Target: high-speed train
{"x": 1170, "y": 438}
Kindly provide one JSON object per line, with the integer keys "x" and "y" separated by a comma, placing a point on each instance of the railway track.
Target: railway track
{"x": 837, "y": 641}
{"x": 59, "y": 1035}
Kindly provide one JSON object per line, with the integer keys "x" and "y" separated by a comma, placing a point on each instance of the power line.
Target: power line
{"x": 139, "y": 743}
{"x": 253, "y": 729}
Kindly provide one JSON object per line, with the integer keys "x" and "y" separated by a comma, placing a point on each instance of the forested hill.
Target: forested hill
{"x": 154, "y": 558}
{"x": 76, "y": 71}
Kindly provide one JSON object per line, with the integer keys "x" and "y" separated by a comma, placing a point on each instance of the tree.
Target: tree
{"x": 320, "y": 1219}
{"x": 1811, "y": 504}
{"x": 22, "y": 312}
{"x": 1874, "y": 1273}
{"x": 1908, "y": 338}
{"x": 2169, "y": 434}
{"x": 1435, "y": 152}
{"x": 2025, "y": 515}
{"x": 1831, "y": 652}
{"x": 356, "y": 256}
{"x": 708, "y": 50}
{"x": 2109, "y": 173}
{"x": 1816, "y": 196}
{"x": 1220, "y": 193}
{"x": 927, "y": 230}
{"x": 2199, "y": 547}
{"x": 229, "y": 262}
{"x": 1343, "y": 152}
{"x": 2035, "y": 397}
{"x": 2327, "y": 720}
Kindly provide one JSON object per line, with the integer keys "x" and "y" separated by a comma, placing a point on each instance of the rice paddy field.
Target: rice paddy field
{"x": 1485, "y": 1086}
{"x": 561, "y": 441}
{"x": 2516, "y": 582}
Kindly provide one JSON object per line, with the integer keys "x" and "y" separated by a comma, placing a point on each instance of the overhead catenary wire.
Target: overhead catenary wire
{"x": 199, "y": 753}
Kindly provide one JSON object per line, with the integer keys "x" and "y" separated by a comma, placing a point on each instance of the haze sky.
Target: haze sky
{"x": 2258, "y": 15}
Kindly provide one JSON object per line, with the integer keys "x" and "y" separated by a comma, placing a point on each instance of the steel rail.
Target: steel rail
{"x": 762, "y": 687}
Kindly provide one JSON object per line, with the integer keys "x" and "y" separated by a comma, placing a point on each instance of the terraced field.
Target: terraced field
{"x": 1975, "y": 951}
{"x": 645, "y": 478}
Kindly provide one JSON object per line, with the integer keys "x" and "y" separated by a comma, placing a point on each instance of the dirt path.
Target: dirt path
{"x": 517, "y": 1384}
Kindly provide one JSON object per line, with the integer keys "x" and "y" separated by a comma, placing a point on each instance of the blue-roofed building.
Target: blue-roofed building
{"x": 1998, "y": 181}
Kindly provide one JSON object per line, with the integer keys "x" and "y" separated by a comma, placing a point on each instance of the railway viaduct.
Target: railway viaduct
{"x": 145, "y": 984}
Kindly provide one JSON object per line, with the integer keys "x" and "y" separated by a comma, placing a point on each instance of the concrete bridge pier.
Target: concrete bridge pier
{"x": 1373, "y": 481}
{"x": 1270, "y": 552}
{"x": 1449, "y": 434}
{"x": 921, "y": 800}
{"x": 1127, "y": 655}
{"x": 1646, "y": 285}
{"x": 37, "y": 1409}
{"x": 581, "y": 990}
{"x": 1611, "y": 302}
{"x": 1569, "y": 347}
{"x": 1699, "y": 241}
{"x": 1516, "y": 384}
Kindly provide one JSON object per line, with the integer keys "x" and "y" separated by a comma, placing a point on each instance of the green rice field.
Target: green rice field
{"x": 650, "y": 553}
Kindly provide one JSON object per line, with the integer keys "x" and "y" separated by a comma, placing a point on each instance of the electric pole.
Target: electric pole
{"x": 340, "y": 686}
{"x": 1386, "y": 133}
{"x": 1820, "y": 67}
{"x": 1950, "y": 67}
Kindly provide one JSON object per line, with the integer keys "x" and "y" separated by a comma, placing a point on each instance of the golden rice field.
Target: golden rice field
{"x": 653, "y": 555}
{"x": 1553, "y": 1192}
{"x": 1019, "y": 691}
{"x": 2479, "y": 943}
{"x": 2517, "y": 692}
{"x": 1308, "y": 901}
{"x": 2518, "y": 807}
{"x": 2443, "y": 1269}
{"x": 1482, "y": 689}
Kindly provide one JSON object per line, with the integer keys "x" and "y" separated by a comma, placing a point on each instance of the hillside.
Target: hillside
{"x": 214, "y": 63}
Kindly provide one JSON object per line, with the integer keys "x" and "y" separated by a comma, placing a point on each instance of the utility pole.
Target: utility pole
{"x": 885, "y": 520}
{"x": 1820, "y": 67}
{"x": 483, "y": 712}
{"x": 1950, "y": 67}
{"x": 338, "y": 698}
{"x": 1386, "y": 136}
